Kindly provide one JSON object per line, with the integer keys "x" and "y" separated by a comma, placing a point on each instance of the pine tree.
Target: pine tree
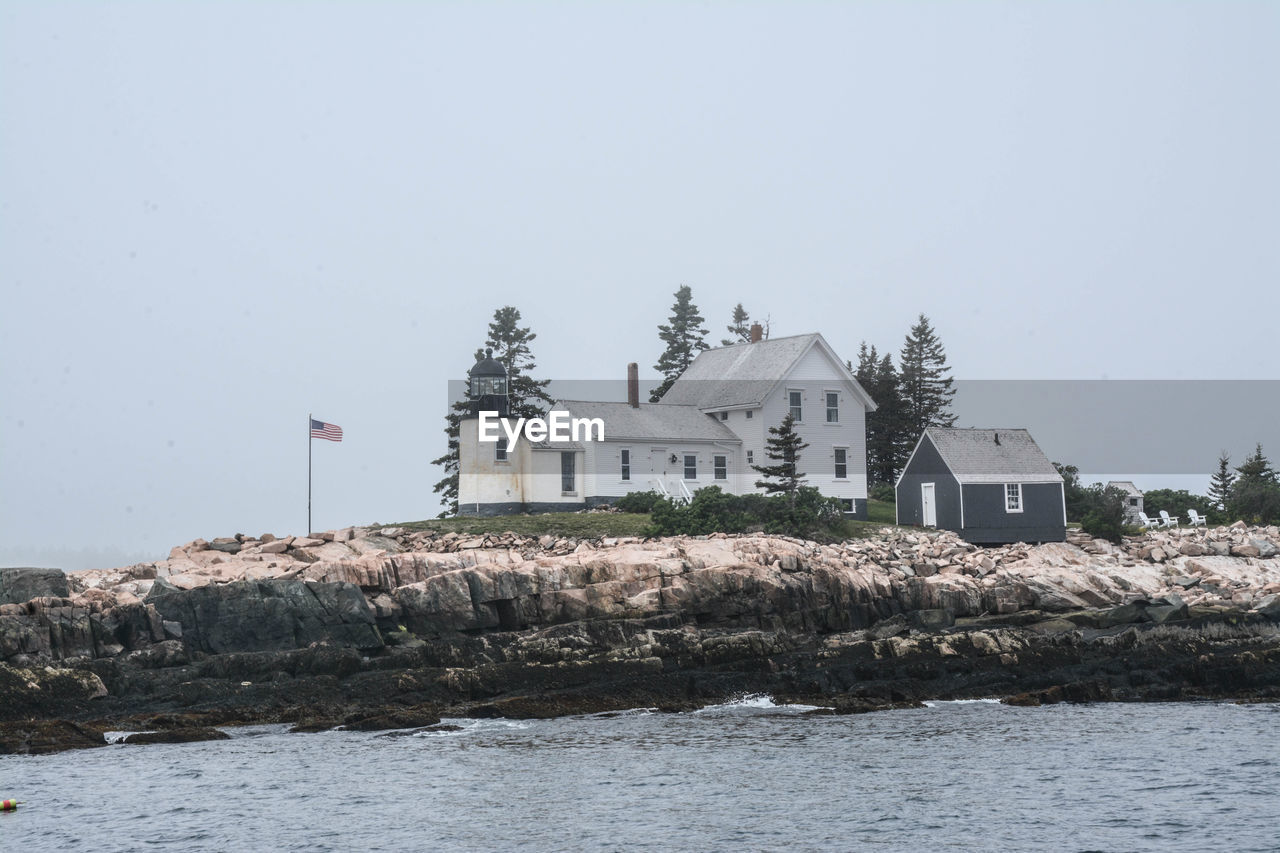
{"x": 925, "y": 381}
{"x": 887, "y": 439}
{"x": 527, "y": 397}
{"x": 1255, "y": 496}
{"x": 684, "y": 336}
{"x": 1221, "y": 482}
{"x": 739, "y": 329}
{"x": 447, "y": 487}
{"x": 783, "y": 447}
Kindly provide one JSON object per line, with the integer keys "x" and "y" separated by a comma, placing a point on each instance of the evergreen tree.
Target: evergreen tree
{"x": 447, "y": 487}
{"x": 510, "y": 344}
{"x": 925, "y": 381}
{"x": 1221, "y": 482}
{"x": 887, "y": 439}
{"x": 684, "y": 336}
{"x": 739, "y": 329}
{"x": 1255, "y": 497}
{"x": 527, "y": 397}
{"x": 783, "y": 447}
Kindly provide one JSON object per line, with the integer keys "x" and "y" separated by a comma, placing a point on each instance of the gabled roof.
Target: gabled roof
{"x": 1127, "y": 487}
{"x": 974, "y": 456}
{"x": 745, "y": 374}
{"x": 651, "y": 421}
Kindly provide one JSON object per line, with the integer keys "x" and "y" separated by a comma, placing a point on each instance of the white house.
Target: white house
{"x": 709, "y": 429}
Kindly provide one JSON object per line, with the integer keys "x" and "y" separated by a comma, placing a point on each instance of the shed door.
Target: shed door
{"x": 926, "y": 505}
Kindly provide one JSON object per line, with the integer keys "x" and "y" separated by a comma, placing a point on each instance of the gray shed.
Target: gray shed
{"x": 988, "y": 485}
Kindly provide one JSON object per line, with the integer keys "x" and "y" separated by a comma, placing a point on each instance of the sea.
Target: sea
{"x": 747, "y": 775}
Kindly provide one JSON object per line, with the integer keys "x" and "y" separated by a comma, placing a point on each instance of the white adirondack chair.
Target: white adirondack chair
{"x": 1168, "y": 522}
{"x": 1197, "y": 520}
{"x": 1147, "y": 522}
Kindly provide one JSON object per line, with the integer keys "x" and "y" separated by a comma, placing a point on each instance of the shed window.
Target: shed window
{"x": 842, "y": 466}
{"x": 721, "y": 467}
{"x": 690, "y": 466}
{"x": 847, "y": 504}
{"x": 833, "y": 407}
{"x": 500, "y": 450}
{"x": 750, "y": 414}
{"x": 1013, "y": 497}
{"x": 793, "y": 398}
{"x": 626, "y": 464}
{"x": 724, "y": 416}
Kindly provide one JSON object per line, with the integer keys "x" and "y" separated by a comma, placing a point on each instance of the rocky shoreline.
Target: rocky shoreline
{"x": 396, "y": 629}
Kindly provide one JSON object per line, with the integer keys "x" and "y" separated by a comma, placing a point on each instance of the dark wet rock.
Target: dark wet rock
{"x": 930, "y": 621}
{"x": 41, "y": 737}
{"x": 183, "y": 735}
{"x": 19, "y": 585}
{"x": 405, "y": 718}
{"x": 274, "y": 615}
{"x": 1123, "y": 615}
{"x": 442, "y": 727}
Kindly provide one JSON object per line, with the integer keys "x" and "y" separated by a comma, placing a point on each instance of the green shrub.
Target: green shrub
{"x": 638, "y": 501}
{"x": 714, "y": 511}
{"x": 884, "y": 493}
{"x": 1178, "y": 502}
{"x": 1105, "y": 517}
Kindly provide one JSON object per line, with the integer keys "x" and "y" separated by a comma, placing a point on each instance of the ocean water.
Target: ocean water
{"x": 748, "y": 775}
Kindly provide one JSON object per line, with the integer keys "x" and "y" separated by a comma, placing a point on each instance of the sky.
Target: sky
{"x": 217, "y": 218}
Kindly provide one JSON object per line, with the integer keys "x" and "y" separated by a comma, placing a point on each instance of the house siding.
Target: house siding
{"x": 987, "y": 522}
{"x": 814, "y": 375}
{"x": 926, "y": 466}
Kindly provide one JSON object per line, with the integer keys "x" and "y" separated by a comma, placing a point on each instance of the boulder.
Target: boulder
{"x": 19, "y": 585}
{"x": 182, "y": 735}
{"x": 41, "y": 737}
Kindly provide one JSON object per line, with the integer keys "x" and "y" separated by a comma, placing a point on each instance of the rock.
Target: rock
{"x": 1191, "y": 549}
{"x": 1245, "y": 551}
{"x": 1184, "y": 581}
{"x": 269, "y": 615}
{"x": 404, "y": 718}
{"x": 20, "y": 585}
{"x": 41, "y": 737}
{"x": 1123, "y": 615}
{"x": 275, "y": 546}
{"x": 1265, "y": 548}
{"x": 931, "y": 621}
{"x": 181, "y": 735}
{"x": 227, "y": 545}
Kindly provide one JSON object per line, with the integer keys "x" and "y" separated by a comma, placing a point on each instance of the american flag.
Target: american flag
{"x": 330, "y": 432}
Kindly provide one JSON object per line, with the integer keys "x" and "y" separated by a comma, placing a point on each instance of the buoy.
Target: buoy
{"x": 9, "y": 805}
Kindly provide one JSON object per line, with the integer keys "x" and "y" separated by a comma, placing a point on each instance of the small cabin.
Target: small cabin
{"x": 1132, "y": 499}
{"x": 991, "y": 486}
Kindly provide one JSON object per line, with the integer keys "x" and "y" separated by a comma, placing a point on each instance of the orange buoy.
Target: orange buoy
{"x": 9, "y": 805}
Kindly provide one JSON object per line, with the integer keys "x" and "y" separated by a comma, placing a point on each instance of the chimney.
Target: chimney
{"x": 757, "y": 331}
{"x": 633, "y": 385}
{"x": 997, "y": 438}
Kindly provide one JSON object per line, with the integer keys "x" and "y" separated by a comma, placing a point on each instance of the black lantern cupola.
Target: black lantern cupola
{"x": 488, "y": 392}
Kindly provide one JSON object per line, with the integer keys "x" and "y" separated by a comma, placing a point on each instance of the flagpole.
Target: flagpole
{"x": 308, "y": 474}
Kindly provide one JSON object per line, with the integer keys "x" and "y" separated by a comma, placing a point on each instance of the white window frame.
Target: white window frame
{"x": 751, "y": 457}
{"x": 573, "y": 472}
{"x": 720, "y": 467}
{"x": 687, "y": 457}
{"x": 826, "y": 396}
{"x": 626, "y": 464}
{"x": 795, "y": 410}
{"x": 835, "y": 452}
{"x": 500, "y": 451}
{"x": 1017, "y": 504}
{"x": 750, "y": 414}
{"x": 724, "y": 416}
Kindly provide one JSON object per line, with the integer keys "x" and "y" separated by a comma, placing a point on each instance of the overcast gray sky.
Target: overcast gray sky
{"x": 216, "y": 218}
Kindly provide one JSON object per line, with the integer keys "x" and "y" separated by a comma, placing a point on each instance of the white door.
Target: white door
{"x": 926, "y": 505}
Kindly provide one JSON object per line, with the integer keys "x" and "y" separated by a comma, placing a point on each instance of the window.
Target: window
{"x": 794, "y": 400}
{"x": 690, "y": 467}
{"x": 846, "y": 504}
{"x": 724, "y": 416}
{"x": 1013, "y": 497}
{"x": 842, "y": 466}
{"x": 750, "y": 414}
{"x": 721, "y": 467}
{"x": 833, "y": 407}
{"x": 566, "y": 471}
{"x": 1133, "y": 501}
{"x": 751, "y": 457}
{"x": 500, "y": 450}
{"x": 626, "y": 464}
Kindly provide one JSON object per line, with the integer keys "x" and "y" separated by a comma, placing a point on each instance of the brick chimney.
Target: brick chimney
{"x": 757, "y": 332}
{"x": 633, "y": 385}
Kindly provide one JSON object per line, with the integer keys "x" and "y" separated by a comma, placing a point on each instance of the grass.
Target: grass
{"x": 591, "y": 525}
